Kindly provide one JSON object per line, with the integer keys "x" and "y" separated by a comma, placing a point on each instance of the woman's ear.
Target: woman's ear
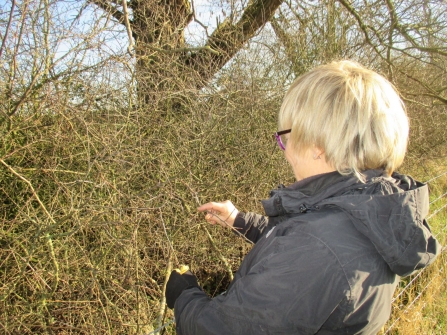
{"x": 317, "y": 152}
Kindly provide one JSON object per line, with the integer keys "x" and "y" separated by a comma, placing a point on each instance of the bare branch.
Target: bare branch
{"x": 182, "y": 50}
{"x": 227, "y": 39}
{"x": 197, "y": 20}
{"x": 128, "y": 28}
{"x": 7, "y": 27}
{"x": 105, "y": 5}
{"x": 362, "y": 26}
{"x": 407, "y": 36}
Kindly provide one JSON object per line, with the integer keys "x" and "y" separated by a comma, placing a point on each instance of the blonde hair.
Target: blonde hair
{"x": 353, "y": 114}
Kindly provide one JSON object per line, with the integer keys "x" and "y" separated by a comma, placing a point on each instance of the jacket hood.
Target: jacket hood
{"x": 389, "y": 211}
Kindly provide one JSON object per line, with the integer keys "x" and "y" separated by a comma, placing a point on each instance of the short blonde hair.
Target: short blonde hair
{"x": 354, "y": 114}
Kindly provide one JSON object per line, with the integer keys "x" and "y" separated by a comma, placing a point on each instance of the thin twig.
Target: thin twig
{"x": 14, "y": 172}
{"x": 7, "y": 27}
{"x": 156, "y": 331}
{"x": 48, "y": 236}
{"x": 53, "y": 170}
{"x": 128, "y": 28}
{"x": 187, "y": 49}
{"x": 162, "y": 309}
{"x": 171, "y": 247}
{"x": 198, "y": 21}
{"x": 231, "y": 227}
{"x": 219, "y": 254}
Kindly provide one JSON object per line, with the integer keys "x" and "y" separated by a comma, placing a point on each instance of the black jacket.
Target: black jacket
{"x": 327, "y": 259}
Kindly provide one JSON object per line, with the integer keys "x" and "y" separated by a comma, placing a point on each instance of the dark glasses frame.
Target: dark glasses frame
{"x": 278, "y": 137}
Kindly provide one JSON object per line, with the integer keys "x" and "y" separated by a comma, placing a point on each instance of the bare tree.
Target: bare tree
{"x": 392, "y": 36}
{"x": 164, "y": 61}
{"x": 46, "y": 45}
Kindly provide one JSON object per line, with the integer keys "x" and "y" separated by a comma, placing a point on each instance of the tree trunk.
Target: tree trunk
{"x": 166, "y": 68}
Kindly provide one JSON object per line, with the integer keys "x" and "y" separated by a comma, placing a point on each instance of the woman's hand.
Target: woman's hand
{"x": 223, "y": 213}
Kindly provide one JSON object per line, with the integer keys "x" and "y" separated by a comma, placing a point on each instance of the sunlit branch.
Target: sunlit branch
{"x": 8, "y": 26}
{"x": 105, "y": 5}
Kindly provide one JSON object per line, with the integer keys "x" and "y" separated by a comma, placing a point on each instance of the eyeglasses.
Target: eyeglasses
{"x": 278, "y": 137}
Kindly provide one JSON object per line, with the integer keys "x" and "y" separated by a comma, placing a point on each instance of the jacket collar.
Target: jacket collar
{"x": 310, "y": 191}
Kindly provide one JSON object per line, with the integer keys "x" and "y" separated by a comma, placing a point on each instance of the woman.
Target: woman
{"x": 330, "y": 251}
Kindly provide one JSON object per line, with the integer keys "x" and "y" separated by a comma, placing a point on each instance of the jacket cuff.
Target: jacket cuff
{"x": 240, "y": 223}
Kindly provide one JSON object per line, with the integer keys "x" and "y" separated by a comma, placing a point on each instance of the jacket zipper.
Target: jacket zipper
{"x": 304, "y": 208}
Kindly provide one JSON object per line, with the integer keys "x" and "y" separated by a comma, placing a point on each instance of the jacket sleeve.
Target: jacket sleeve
{"x": 293, "y": 290}
{"x": 251, "y": 225}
